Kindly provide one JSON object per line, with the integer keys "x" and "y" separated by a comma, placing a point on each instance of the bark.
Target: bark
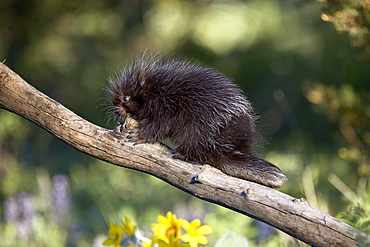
{"x": 294, "y": 216}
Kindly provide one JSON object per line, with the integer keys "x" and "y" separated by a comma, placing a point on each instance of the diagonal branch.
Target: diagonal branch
{"x": 293, "y": 216}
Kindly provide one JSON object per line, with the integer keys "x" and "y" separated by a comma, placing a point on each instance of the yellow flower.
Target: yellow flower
{"x": 128, "y": 228}
{"x": 171, "y": 242}
{"x": 147, "y": 244}
{"x": 152, "y": 241}
{"x": 167, "y": 226}
{"x": 115, "y": 232}
{"x": 195, "y": 233}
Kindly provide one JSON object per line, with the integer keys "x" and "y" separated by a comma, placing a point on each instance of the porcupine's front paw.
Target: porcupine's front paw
{"x": 120, "y": 128}
{"x": 133, "y": 136}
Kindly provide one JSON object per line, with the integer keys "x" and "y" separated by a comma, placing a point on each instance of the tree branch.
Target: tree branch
{"x": 293, "y": 216}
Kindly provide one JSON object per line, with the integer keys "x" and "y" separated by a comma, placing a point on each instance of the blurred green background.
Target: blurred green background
{"x": 304, "y": 65}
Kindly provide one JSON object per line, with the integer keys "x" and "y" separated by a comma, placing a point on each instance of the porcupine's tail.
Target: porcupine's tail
{"x": 251, "y": 168}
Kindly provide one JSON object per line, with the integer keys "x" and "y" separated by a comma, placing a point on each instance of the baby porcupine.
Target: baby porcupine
{"x": 204, "y": 113}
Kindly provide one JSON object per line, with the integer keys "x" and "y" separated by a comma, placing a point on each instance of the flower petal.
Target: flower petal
{"x": 195, "y": 223}
{"x": 162, "y": 220}
{"x": 108, "y": 241}
{"x": 185, "y": 224}
{"x": 204, "y": 230}
{"x": 202, "y": 239}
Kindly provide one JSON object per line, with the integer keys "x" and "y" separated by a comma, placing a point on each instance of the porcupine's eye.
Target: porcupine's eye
{"x": 126, "y": 98}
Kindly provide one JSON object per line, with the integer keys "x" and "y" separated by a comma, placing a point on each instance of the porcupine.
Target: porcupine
{"x": 204, "y": 113}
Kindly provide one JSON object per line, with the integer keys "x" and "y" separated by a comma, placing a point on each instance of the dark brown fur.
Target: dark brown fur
{"x": 204, "y": 113}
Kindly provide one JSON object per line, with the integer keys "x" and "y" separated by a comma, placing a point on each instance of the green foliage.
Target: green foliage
{"x": 358, "y": 217}
{"x": 303, "y": 77}
{"x": 352, "y": 17}
{"x": 357, "y": 213}
{"x": 350, "y": 111}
